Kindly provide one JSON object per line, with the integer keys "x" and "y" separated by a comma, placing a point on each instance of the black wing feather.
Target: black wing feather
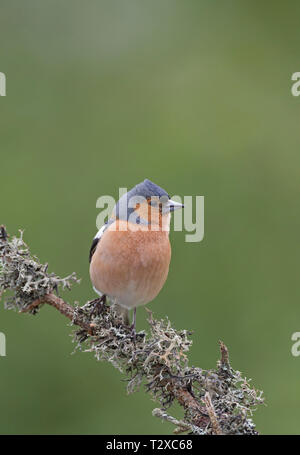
{"x": 93, "y": 248}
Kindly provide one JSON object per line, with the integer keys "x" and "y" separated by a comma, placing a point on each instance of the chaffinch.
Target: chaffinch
{"x": 130, "y": 254}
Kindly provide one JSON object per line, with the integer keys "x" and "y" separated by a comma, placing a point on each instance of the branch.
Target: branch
{"x": 217, "y": 401}
{"x": 62, "y": 306}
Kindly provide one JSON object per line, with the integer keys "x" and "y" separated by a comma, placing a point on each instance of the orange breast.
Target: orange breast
{"x": 131, "y": 266}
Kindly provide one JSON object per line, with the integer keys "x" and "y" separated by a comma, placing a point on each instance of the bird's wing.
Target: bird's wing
{"x": 96, "y": 240}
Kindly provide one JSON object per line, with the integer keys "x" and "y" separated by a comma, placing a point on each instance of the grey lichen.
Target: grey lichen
{"x": 24, "y": 275}
{"x": 215, "y": 401}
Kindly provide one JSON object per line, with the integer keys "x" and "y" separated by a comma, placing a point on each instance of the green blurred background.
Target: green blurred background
{"x": 194, "y": 95}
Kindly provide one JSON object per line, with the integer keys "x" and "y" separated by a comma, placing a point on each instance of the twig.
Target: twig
{"x": 224, "y": 355}
{"x": 212, "y": 414}
{"x": 62, "y": 306}
{"x": 182, "y": 426}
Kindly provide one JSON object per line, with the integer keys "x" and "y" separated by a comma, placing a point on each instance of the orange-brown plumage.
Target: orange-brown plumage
{"x": 131, "y": 265}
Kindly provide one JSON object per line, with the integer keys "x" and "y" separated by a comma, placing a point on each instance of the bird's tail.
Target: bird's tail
{"x": 123, "y": 312}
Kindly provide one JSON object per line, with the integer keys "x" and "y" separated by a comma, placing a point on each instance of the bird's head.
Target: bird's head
{"x": 146, "y": 204}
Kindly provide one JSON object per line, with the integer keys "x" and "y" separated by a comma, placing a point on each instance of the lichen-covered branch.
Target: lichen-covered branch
{"x": 217, "y": 401}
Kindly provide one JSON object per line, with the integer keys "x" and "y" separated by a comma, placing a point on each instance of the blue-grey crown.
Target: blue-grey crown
{"x": 145, "y": 189}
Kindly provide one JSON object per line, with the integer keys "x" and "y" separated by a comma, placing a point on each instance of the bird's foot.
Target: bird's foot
{"x": 98, "y": 305}
{"x": 133, "y": 332}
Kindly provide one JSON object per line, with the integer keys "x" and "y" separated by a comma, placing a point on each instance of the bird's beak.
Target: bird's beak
{"x": 172, "y": 205}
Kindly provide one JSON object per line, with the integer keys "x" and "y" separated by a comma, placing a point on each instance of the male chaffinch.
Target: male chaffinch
{"x": 130, "y": 254}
